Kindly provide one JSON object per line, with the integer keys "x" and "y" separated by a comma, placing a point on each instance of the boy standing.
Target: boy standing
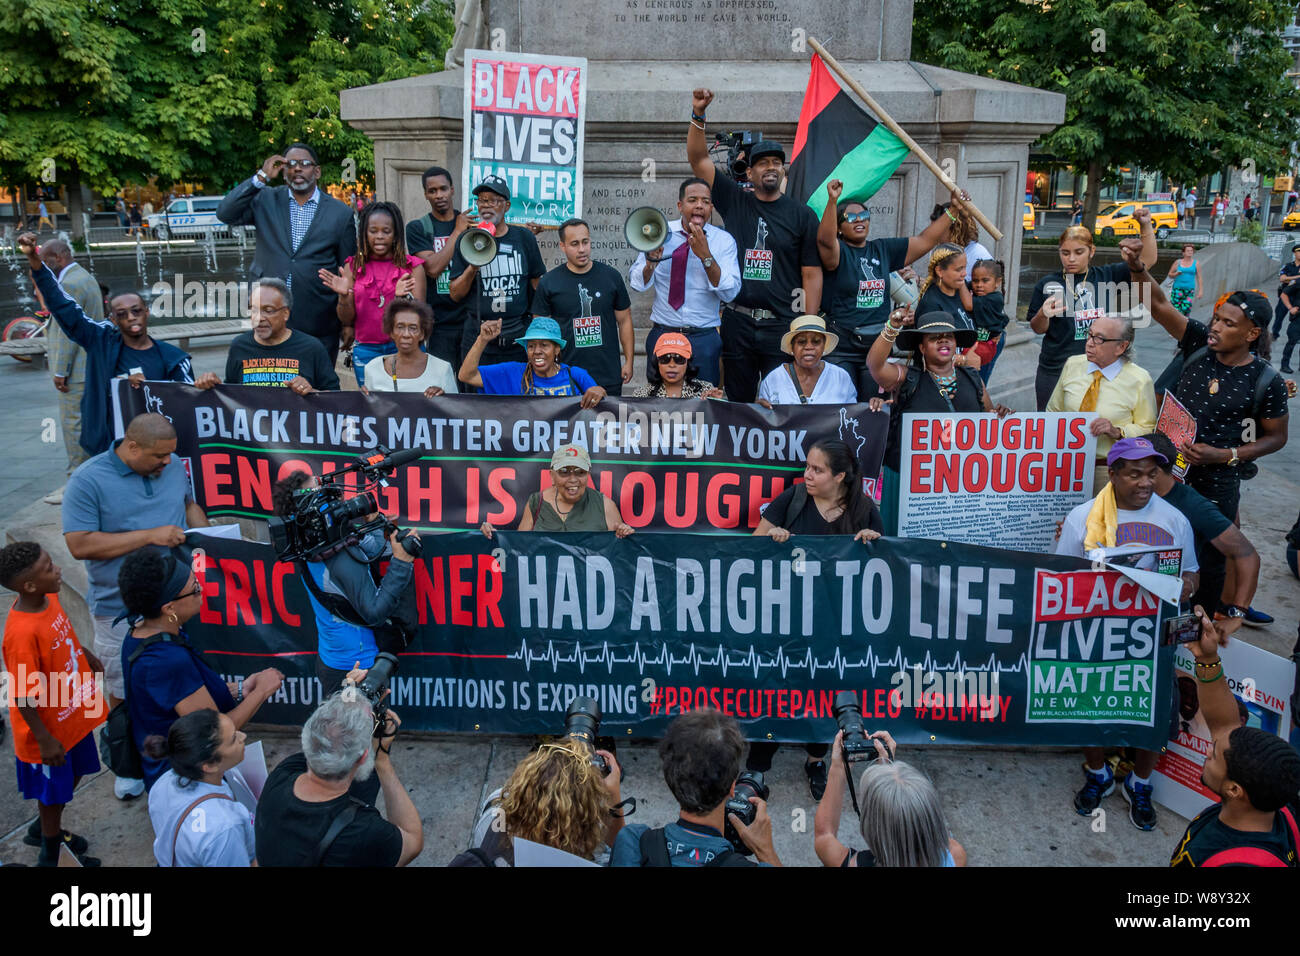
{"x": 56, "y": 701}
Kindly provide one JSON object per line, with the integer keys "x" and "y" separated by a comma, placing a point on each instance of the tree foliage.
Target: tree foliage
{"x": 199, "y": 90}
{"x": 1186, "y": 88}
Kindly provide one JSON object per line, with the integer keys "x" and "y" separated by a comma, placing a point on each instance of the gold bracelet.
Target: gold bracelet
{"x": 888, "y": 333}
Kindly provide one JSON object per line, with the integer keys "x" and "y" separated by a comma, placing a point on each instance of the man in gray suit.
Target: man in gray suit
{"x": 300, "y": 230}
{"x": 67, "y": 359}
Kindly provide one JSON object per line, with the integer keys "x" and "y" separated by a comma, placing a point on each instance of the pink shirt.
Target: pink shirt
{"x": 372, "y": 291}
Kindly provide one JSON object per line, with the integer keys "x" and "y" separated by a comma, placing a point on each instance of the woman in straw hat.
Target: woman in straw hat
{"x": 808, "y": 380}
{"x": 934, "y": 382}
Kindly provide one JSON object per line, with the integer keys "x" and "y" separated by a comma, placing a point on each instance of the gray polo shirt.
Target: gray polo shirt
{"x": 104, "y": 494}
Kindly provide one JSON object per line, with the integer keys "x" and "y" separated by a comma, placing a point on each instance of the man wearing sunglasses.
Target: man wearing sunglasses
{"x": 300, "y": 230}
{"x": 119, "y": 347}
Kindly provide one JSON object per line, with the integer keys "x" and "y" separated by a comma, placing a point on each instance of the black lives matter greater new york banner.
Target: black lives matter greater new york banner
{"x": 684, "y": 465}
{"x": 954, "y": 644}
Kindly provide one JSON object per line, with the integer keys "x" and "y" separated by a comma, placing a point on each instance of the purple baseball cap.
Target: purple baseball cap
{"x": 1133, "y": 449}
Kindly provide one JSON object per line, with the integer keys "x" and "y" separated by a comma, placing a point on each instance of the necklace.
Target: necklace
{"x": 947, "y": 384}
{"x": 564, "y": 515}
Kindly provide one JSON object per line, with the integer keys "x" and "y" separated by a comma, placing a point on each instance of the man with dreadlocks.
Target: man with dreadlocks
{"x": 542, "y": 374}
{"x": 1237, "y": 399}
{"x": 380, "y": 272}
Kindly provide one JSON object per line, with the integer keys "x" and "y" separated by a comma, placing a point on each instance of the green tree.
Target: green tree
{"x": 1184, "y": 88}
{"x": 107, "y": 92}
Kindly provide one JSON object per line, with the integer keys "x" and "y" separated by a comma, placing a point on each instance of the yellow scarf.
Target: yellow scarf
{"x": 1103, "y": 520}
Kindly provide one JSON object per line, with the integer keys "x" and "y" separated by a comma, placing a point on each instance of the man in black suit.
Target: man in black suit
{"x": 300, "y": 230}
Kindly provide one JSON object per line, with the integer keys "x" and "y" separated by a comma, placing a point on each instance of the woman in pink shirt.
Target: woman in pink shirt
{"x": 380, "y": 272}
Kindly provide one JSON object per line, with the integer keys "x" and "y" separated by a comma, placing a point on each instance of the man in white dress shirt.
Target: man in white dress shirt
{"x": 693, "y": 273}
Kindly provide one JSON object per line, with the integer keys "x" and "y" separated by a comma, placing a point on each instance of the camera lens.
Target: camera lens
{"x": 582, "y": 719}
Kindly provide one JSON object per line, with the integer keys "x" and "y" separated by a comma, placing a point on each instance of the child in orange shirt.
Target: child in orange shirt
{"x": 56, "y": 700}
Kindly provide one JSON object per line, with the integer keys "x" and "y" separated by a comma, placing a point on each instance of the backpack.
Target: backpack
{"x": 654, "y": 852}
{"x": 1169, "y": 378}
{"x": 117, "y": 741}
{"x": 1254, "y": 855}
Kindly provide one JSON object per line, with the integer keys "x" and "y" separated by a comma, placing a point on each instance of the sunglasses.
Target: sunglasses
{"x": 570, "y": 472}
{"x": 299, "y": 163}
{"x": 857, "y": 217}
{"x": 672, "y": 360}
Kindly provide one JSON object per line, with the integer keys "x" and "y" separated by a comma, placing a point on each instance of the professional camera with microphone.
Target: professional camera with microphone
{"x": 737, "y": 145}
{"x": 748, "y": 784}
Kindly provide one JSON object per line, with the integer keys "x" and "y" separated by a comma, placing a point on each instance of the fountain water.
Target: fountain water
{"x": 85, "y": 229}
{"x": 209, "y": 251}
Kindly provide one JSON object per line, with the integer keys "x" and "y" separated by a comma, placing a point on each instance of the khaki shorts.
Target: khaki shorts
{"x": 108, "y": 648}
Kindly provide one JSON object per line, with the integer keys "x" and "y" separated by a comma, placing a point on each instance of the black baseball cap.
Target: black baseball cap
{"x": 765, "y": 147}
{"x": 493, "y": 184}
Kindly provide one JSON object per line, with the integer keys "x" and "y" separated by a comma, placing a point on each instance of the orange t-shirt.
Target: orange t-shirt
{"x": 47, "y": 667}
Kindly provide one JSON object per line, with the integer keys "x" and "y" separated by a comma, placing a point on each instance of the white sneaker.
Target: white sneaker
{"x": 127, "y": 788}
{"x": 54, "y": 497}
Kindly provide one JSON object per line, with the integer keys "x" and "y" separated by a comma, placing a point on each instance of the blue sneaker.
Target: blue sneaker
{"x": 1256, "y": 618}
{"x": 1095, "y": 789}
{"x": 1140, "y": 809}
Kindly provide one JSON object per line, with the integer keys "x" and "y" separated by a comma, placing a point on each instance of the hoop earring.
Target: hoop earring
{"x": 173, "y": 618}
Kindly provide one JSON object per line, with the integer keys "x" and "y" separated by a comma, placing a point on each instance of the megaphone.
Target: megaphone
{"x": 645, "y": 229}
{"x": 477, "y": 246}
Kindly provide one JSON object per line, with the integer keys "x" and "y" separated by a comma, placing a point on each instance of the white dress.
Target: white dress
{"x": 834, "y": 387}
{"x": 436, "y": 372}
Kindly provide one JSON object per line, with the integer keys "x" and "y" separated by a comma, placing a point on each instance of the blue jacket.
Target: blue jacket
{"x": 103, "y": 344}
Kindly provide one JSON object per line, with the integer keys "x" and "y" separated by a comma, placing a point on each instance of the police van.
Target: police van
{"x": 188, "y": 216}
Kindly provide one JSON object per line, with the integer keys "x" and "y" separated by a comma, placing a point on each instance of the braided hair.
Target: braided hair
{"x": 942, "y": 253}
{"x": 363, "y": 246}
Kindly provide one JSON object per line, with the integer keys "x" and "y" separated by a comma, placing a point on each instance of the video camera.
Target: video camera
{"x": 321, "y": 521}
{"x": 582, "y": 722}
{"x": 737, "y": 144}
{"x": 856, "y": 745}
{"x": 748, "y": 784}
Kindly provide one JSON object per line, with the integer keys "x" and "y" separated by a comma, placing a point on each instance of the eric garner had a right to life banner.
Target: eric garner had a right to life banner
{"x": 1005, "y": 482}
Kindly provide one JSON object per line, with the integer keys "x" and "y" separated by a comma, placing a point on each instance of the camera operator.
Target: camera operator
{"x": 701, "y": 754}
{"x": 314, "y": 810}
{"x": 358, "y": 611}
{"x": 901, "y": 820}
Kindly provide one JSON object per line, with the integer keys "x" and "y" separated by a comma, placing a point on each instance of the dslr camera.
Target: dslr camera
{"x": 856, "y": 745}
{"x": 322, "y": 522}
{"x": 748, "y": 784}
{"x": 737, "y": 145}
{"x": 375, "y": 686}
{"x": 582, "y": 722}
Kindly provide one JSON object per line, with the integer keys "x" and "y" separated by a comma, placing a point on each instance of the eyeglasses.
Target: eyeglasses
{"x": 857, "y": 216}
{"x": 299, "y": 163}
{"x": 672, "y": 360}
{"x": 570, "y": 472}
{"x": 1096, "y": 339}
{"x": 198, "y": 589}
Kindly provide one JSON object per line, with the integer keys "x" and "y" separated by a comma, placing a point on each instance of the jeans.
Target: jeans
{"x": 706, "y": 349}
{"x": 363, "y": 352}
{"x": 750, "y": 349}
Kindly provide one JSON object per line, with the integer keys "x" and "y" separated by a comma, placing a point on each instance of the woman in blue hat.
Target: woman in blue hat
{"x": 542, "y": 374}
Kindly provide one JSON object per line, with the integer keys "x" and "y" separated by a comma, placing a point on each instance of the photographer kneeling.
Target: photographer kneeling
{"x": 359, "y": 613}
{"x": 701, "y": 754}
{"x": 902, "y": 819}
{"x": 310, "y": 814}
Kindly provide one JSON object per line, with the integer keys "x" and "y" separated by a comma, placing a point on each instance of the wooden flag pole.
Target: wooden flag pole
{"x": 901, "y": 133}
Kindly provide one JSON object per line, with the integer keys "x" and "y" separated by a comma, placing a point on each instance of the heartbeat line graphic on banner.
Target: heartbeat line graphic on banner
{"x": 752, "y": 660}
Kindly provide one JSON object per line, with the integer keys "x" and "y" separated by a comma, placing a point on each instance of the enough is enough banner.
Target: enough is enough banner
{"x": 942, "y": 643}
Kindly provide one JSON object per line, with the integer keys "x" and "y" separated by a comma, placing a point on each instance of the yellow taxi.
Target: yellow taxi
{"x": 1292, "y": 220}
{"x": 1116, "y": 219}
{"x": 1028, "y": 220}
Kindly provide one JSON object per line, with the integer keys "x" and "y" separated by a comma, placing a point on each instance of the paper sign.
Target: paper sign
{"x": 528, "y": 853}
{"x": 1177, "y": 424}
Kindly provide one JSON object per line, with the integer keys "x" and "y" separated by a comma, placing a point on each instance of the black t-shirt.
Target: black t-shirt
{"x": 856, "y": 293}
{"x": 927, "y": 399}
{"x": 150, "y": 361}
{"x": 1221, "y": 397}
{"x": 250, "y": 363}
{"x": 936, "y": 300}
{"x": 988, "y": 312}
{"x": 1067, "y": 334}
{"x": 508, "y": 276}
{"x": 288, "y": 830}
{"x": 1292, "y": 287}
{"x": 1206, "y": 835}
{"x": 584, "y": 306}
{"x": 1206, "y": 520}
{"x": 810, "y": 520}
{"x": 774, "y": 240}
{"x": 446, "y": 310}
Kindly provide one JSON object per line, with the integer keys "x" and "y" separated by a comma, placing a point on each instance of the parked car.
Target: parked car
{"x": 1117, "y": 219}
{"x": 1028, "y": 220}
{"x": 188, "y": 216}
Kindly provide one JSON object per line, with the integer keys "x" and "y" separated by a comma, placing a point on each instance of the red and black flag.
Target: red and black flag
{"x": 837, "y": 139}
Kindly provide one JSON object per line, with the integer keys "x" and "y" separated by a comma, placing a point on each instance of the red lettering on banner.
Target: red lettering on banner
{"x": 920, "y": 440}
{"x": 430, "y": 594}
{"x": 471, "y": 496}
{"x": 947, "y": 473}
{"x": 689, "y": 499}
{"x": 975, "y": 473}
{"x": 713, "y": 698}
{"x": 280, "y": 571}
{"x": 757, "y": 497}
{"x": 796, "y": 701}
{"x": 1002, "y": 471}
{"x": 259, "y": 582}
{"x": 810, "y": 705}
{"x": 1035, "y": 431}
{"x": 670, "y": 699}
{"x": 497, "y": 478}
{"x": 490, "y": 589}
{"x": 879, "y": 710}
{"x": 212, "y": 481}
{"x": 723, "y": 510}
{"x": 460, "y": 588}
{"x": 920, "y": 477}
{"x": 1059, "y": 472}
{"x": 826, "y": 701}
{"x": 1068, "y": 595}
{"x": 633, "y": 482}
{"x": 1031, "y": 477}
{"x": 895, "y": 702}
{"x": 728, "y": 704}
{"x": 417, "y": 495}
{"x": 1078, "y": 433}
{"x": 782, "y": 696}
{"x": 989, "y": 428}
{"x": 684, "y": 698}
{"x": 239, "y": 592}
{"x": 254, "y": 482}
{"x": 211, "y": 588}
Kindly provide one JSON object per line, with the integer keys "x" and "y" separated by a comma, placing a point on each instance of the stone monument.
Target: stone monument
{"x": 645, "y": 58}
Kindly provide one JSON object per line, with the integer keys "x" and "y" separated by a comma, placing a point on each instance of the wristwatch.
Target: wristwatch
{"x": 261, "y": 175}
{"x": 708, "y": 261}
{"x": 1234, "y": 460}
{"x": 1234, "y": 610}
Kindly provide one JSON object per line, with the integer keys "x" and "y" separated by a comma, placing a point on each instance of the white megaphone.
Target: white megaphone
{"x": 645, "y": 229}
{"x": 477, "y": 246}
